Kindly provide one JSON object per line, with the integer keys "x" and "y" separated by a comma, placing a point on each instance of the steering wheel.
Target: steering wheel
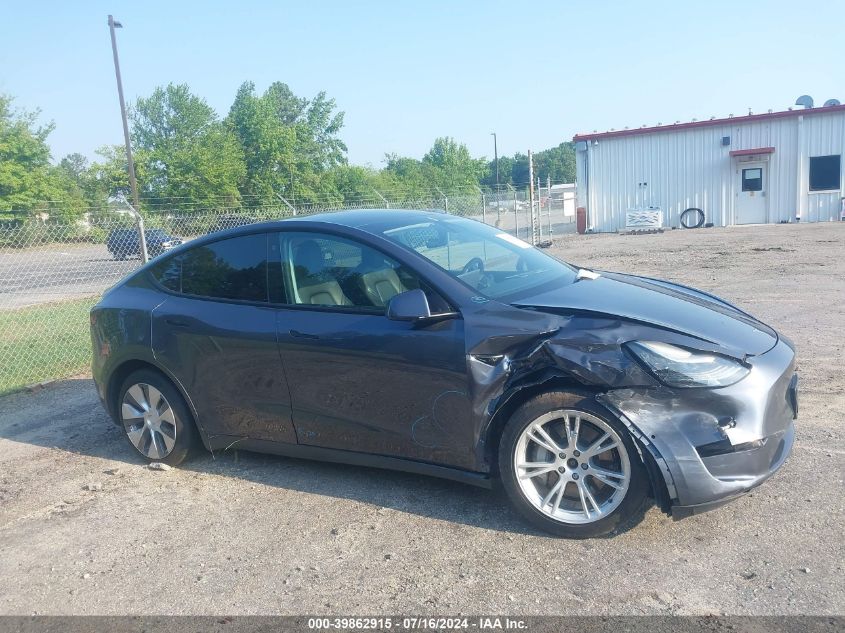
{"x": 475, "y": 264}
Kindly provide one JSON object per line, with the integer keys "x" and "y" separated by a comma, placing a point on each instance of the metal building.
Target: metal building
{"x": 760, "y": 168}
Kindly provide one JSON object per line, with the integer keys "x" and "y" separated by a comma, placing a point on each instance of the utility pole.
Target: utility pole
{"x": 496, "y": 159}
{"x": 133, "y": 184}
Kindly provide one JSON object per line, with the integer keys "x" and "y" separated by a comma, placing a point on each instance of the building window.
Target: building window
{"x": 752, "y": 179}
{"x": 825, "y": 172}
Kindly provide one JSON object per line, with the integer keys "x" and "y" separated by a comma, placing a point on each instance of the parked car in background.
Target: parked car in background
{"x": 439, "y": 345}
{"x": 124, "y": 243}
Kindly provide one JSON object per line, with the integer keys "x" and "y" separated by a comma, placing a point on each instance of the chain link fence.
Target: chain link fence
{"x": 52, "y": 273}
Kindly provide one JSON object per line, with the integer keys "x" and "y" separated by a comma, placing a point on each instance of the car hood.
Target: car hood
{"x": 661, "y": 304}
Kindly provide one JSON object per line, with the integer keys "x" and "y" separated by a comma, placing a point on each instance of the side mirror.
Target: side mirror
{"x": 410, "y": 305}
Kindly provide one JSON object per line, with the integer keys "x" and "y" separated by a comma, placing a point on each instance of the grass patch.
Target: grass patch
{"x": 43, "y": 342}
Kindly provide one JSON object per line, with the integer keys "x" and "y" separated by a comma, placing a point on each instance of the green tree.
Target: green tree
{"x": 75, "y": 167}
{"x": 354, "y": 184}
{"x": 453, "y": 166}
{"x": 409, "y": 178}
{"x": 505, "y": 172}
{"x": 108, "y": 178}
{"x": 290, "y": 143}
{"x": 29, "y": 184}
{"x": 84, "y": 178}
{"x": 557, "y": 163}
{"x": 188, "y": 157}
{"x": 267, "y": 144}
{"x": 316, "y": 123}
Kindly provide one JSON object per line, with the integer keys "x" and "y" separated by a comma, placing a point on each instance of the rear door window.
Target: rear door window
{"x": 234, "y": 268}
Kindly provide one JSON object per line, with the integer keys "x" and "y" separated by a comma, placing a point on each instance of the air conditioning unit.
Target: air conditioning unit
{"x": 647, "y": 218}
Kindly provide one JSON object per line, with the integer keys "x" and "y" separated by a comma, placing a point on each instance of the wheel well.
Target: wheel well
{"x": 659, "y": 491}
{"x": 120, "y": 374}
{"x": 504, "y": 412}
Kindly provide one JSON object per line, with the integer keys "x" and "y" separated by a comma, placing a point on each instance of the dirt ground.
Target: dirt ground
{"x": 86, "y": 529}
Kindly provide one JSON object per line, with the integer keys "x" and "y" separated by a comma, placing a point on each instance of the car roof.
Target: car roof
{"x": 360, "y": 218}
{"x": 371, "y": 220}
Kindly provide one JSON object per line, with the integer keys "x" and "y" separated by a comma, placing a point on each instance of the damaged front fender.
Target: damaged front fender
{"x": 681, "y": 430}
{"x": 531, "y": 348}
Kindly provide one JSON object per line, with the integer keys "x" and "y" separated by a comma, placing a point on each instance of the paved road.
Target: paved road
{"x": 58, "y": 272}
{"x": 86, "y": 529}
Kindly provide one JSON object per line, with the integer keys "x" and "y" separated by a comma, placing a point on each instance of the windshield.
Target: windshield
{"x": 492, "y": 262}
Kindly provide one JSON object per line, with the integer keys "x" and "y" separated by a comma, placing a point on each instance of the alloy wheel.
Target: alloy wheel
{"x": 148, "y": 420}
{"x": 572, "y": 466}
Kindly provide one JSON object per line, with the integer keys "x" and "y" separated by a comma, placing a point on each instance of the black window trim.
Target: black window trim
{"x": 327, "y": 230}
{"x": 809, "y": 176}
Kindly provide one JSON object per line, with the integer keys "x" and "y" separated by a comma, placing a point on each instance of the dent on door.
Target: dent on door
{"x": 226, "y": 357}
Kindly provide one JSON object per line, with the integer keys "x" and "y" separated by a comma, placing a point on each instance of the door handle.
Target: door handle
{"x": 298, "y": 334}
{"x": 176, "y": 322}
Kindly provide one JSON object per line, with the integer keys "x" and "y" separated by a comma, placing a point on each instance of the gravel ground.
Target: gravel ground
{"x": 85, "y": 528}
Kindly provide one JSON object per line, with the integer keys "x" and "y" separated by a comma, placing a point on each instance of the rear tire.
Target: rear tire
{"x": 155, "y": 418}
{"x": 584, "y": 485}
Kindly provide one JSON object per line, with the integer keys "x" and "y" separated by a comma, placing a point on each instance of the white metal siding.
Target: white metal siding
{"x": 691, "y": 168}
{"x": 823, "y": 135}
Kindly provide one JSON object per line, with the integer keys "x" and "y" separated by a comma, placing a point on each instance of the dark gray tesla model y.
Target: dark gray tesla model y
{"x": 438, "y": 345}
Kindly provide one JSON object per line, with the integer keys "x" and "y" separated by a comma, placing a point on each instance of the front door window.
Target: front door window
{"x": 327, "y": 270}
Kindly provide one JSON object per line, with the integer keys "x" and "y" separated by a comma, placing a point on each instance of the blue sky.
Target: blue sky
{"x": 406, "y": 72}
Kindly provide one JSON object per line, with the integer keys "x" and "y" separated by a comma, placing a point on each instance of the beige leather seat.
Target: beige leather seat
{"x": 314, "y": 284}
{"x": 381, "y": 286}
{"x": 324, "y": 294}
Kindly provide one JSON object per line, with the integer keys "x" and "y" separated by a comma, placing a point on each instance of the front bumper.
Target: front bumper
{"x": 714, "y": 445}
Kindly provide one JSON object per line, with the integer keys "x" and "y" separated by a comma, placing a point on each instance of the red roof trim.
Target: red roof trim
{"x": 748, "y": 118}
{"x": 749, "y": 152}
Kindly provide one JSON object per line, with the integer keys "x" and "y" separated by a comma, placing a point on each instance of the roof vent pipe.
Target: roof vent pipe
{"x": 831, "y": 102}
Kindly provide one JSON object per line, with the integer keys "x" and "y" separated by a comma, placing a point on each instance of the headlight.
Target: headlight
{"x": 678, "y": 367}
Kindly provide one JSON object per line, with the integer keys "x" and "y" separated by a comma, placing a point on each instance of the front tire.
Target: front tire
{"x": 155, "y": 418}
{"x": 571, "y": 468}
